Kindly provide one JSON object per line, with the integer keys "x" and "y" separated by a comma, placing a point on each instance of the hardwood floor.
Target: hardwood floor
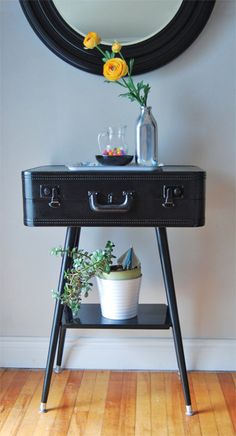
{"x": 109, "y": 403}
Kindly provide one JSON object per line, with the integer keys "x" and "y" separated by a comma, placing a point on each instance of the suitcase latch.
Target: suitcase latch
{"x": 52, "y": 193}
{"x": 170, "y": 193}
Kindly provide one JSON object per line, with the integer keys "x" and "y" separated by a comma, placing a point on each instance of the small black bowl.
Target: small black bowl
{"x": 114, "y": 160}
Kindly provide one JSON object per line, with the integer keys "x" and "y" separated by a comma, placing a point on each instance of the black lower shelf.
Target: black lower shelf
{"x": 150, "y": 316}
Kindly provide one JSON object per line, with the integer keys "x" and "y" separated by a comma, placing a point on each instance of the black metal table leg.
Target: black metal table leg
{"x": 172, "y": 303}
{"x": 62, "y": 335}
{"x": 61, "y": 343}
{"x": 71, "y": 241}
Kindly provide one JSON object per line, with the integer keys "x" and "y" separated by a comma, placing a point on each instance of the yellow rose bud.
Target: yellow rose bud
{"x": 114, "y": 69}
{"x": 116, "y": 47}
{"x": 91, "y": 40}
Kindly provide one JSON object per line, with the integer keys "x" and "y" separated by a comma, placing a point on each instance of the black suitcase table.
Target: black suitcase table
{"x": 167, "y": 196}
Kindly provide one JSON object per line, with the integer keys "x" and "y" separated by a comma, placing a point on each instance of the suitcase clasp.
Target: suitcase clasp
{"x": 52, "y": 193}
{"x": 170, "y": 193}
{"x": 54, "y": 199}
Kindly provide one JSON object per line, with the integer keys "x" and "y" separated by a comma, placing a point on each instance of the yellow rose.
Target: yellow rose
{"x": 116, "y": 47}
{"x": 91, "y": 40}
{"x": 114, "y": 69}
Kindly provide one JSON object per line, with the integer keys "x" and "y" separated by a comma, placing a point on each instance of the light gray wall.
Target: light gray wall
{"x": 51, "y": 113}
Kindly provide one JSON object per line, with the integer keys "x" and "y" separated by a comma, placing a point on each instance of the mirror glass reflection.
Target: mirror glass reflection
{"x": 128, "y": 21}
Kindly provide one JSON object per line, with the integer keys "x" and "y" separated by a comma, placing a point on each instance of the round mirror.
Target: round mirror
{"x": 140, "y": 19}
{"x": 155, "y": 36}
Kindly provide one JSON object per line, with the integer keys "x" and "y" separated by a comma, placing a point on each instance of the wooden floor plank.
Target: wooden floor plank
{"x": 111, "y": 417}
{"x": 97, "y": 405}
{"x": 158, "y": 405}
{"x": 11, "y": 394}
{"x": 45, "y": 423}
{"x": 229, "y": 391}
{"x": 143, "y": 405}
{"x": 32, "y": 415}
{"x": 222, "y": 416}
{"x": 66, "y": 406}
{"x": 82, "y": 404}
{"x": 175, "y": 424}
{"x": 204, "y": 406}
{"x": 192, "y": 423}
{"x": 2, "y": 371}
{"x": 5, "y": 381}
{"x": 13, "y": 422}
{"x": 234, "y": 377}
{"x": 128, "y": 405}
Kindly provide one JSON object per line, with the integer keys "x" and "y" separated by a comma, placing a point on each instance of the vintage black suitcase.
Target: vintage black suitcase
{"x": 167, "y": 196}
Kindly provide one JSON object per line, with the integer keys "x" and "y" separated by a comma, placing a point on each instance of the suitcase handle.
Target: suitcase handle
{"x": 125, "y": 206}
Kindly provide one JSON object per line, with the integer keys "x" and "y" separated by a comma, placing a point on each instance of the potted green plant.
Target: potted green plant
{"x": 119, "y": 289}
{"x": 118, "y": 285}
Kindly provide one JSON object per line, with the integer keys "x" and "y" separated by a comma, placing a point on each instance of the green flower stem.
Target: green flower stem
{"x": 133, "y": 91}
{"x": 118, "y": 83}
{"x": 101, "y": 51}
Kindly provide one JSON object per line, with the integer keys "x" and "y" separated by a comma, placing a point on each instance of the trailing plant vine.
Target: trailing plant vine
{"x": 84, "y": 267}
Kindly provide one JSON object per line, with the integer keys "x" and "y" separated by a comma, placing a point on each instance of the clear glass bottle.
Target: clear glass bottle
{"x": 146, "y": 138}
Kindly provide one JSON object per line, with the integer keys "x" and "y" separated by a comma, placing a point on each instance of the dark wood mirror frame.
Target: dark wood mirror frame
{"x": 150, "y": 54}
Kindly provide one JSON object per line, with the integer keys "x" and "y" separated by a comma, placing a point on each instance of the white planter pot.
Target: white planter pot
{"x": 119, "y": 298}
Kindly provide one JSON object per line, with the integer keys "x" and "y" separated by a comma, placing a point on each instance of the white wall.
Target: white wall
{"x": 51, "y": 113}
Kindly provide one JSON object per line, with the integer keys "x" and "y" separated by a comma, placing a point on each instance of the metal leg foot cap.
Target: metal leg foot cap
{"x": 42, "y": 407}
{"x": 189, "y": 411}
{"x": 58, "y": 369}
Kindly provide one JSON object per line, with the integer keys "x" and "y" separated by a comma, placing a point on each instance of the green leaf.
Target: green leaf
{"x": 127, "y": 94}
{"x": 108, "y": 54}
{"x": 131, "y": 83}
{"x": 140, "y": 85}
{"x": 131, "y": 64}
